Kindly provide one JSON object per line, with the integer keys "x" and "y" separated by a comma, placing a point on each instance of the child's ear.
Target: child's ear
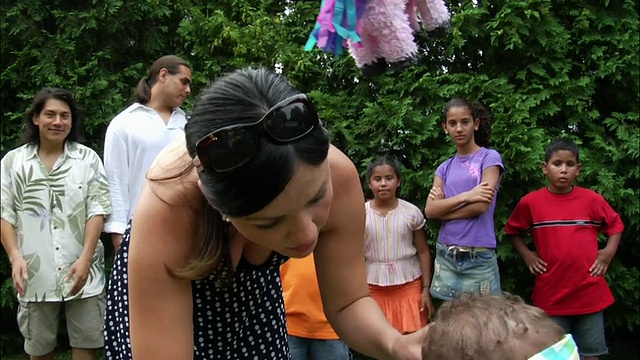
{"x": 579, "y": 168}
{"x": 544, "y": 168}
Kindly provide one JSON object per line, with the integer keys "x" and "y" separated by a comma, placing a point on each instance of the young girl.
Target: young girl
{"x": 464, "y": 196}
{"x": 396, "y": 250}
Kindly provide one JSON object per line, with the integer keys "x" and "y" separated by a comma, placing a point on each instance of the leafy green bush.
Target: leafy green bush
{"x": 544, "y": 68}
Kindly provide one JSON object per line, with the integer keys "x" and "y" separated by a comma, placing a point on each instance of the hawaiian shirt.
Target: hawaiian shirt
{"x": 49, "y": 211}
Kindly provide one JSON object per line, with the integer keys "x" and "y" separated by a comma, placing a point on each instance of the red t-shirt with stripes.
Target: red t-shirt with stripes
{"x": 564, "y": 229}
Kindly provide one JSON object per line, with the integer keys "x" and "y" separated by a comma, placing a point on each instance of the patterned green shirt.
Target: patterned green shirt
{"x": 49, "y": 212}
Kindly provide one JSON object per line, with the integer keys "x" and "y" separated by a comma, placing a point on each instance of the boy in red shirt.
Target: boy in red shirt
{"x": 564, "y": 221}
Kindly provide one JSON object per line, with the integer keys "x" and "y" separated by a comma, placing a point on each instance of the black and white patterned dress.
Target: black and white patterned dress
{"x": 243, "y": 320}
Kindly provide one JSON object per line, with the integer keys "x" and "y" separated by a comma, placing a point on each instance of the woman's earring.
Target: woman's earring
{"x": 225, "y": 218}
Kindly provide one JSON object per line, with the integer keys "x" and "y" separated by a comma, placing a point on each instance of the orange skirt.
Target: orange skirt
{"x": 402, "y": 305}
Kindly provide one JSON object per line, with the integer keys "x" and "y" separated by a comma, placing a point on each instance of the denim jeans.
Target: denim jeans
{"x": 588, "y": 332}
{"x": 313, "y": 349}
{"x": 456, "y": 272}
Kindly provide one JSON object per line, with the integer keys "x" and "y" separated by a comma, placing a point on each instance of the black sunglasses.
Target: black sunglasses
{"x": 232, "y": 146}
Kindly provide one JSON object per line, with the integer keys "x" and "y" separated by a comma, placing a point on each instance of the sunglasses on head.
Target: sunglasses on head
{"x": 232, "y": 146}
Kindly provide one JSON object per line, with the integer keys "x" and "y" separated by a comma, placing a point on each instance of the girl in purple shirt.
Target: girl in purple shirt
{"x": 464, "y": 197}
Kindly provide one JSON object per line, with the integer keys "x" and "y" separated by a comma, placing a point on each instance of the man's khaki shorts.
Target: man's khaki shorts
{"x": 38, "y": 322}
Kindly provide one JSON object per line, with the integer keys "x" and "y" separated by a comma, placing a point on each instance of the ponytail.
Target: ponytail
{"x": 143, "y": 91}
{"x": 482, "y": 136}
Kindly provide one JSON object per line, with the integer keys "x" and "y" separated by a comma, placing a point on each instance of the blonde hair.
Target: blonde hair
{"x": 489, "y": 327}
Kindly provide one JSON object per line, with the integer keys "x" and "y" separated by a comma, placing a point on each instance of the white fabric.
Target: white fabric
{"x": 49, "y": 211}
{"x": 564, "y": 349}
{"x": 390, "y": 255}
{"x": 134, "y": 138}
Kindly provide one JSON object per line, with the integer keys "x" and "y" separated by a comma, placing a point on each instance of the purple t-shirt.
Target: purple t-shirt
{"x": 460, "y": 174}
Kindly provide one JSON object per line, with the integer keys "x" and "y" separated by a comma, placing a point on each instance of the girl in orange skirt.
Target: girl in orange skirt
{"x": 396, "y": 250}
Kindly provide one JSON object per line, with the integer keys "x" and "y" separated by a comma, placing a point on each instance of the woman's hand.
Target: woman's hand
{"x": 409, "y": 347}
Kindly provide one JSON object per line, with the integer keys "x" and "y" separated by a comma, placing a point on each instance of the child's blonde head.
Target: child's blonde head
{"x": 489, "y": 327}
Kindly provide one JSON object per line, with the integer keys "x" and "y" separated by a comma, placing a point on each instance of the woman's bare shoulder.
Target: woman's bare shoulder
{"x": 343, "y": 171}
{"x": 173, "y": 177}
{"x": 169, "y": 208}
{"x": 348, "y": 198}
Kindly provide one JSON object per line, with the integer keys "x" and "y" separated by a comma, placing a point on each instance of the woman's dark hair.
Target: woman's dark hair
{"x": 244, "y": 96}
{"x": 482, "y": 136}
{"x": 31, "y": 132}
{"x": 385, "y": 160}
{"x": 170, "y": 62}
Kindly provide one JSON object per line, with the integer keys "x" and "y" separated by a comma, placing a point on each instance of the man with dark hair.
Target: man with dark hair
{"x": 136, "y": 135}
{"x": 54, "y": 199}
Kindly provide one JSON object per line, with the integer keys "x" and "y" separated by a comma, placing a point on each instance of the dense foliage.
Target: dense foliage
{"x": 544, "y": 68}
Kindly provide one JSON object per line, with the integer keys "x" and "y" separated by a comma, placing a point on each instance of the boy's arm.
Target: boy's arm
{"x": 519, "y": 221}
{"x": 601, "y": 265}
{"x": 613, "y": 228}
{"x": 536, "y": 265}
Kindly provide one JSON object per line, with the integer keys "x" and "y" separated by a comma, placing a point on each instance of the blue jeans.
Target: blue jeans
{"x": 313, "y": 349}
{"x": 588, "y": 332}
{"x": 456, "y": 272}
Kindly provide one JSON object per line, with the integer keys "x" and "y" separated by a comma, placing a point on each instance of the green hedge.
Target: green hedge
{"x": 544, "y": 68}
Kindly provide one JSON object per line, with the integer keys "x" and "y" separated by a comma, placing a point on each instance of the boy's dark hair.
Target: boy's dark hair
{"x": 482, "y": 136}
{"x": 561, "y": 144}
{"x": 385, "y": 160}
{"x": 31, "y": 133}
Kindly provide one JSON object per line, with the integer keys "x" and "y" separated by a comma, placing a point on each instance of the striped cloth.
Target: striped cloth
{"x": 564, "y": 349}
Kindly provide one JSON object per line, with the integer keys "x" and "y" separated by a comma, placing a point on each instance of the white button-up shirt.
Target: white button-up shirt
{"x": 133, "y": 140}
{"x": 49, "y": 211}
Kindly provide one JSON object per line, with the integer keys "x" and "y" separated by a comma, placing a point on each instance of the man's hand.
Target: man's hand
{"x": 79, "y": 272}
{"x": 19, "y": 273}
{"x": 117, "y": 239}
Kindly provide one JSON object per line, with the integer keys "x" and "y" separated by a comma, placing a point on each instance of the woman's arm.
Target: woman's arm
{"x": 160, "y": 304}
{"x": 490, "y": 177}
{"x": 342, "y": 274}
